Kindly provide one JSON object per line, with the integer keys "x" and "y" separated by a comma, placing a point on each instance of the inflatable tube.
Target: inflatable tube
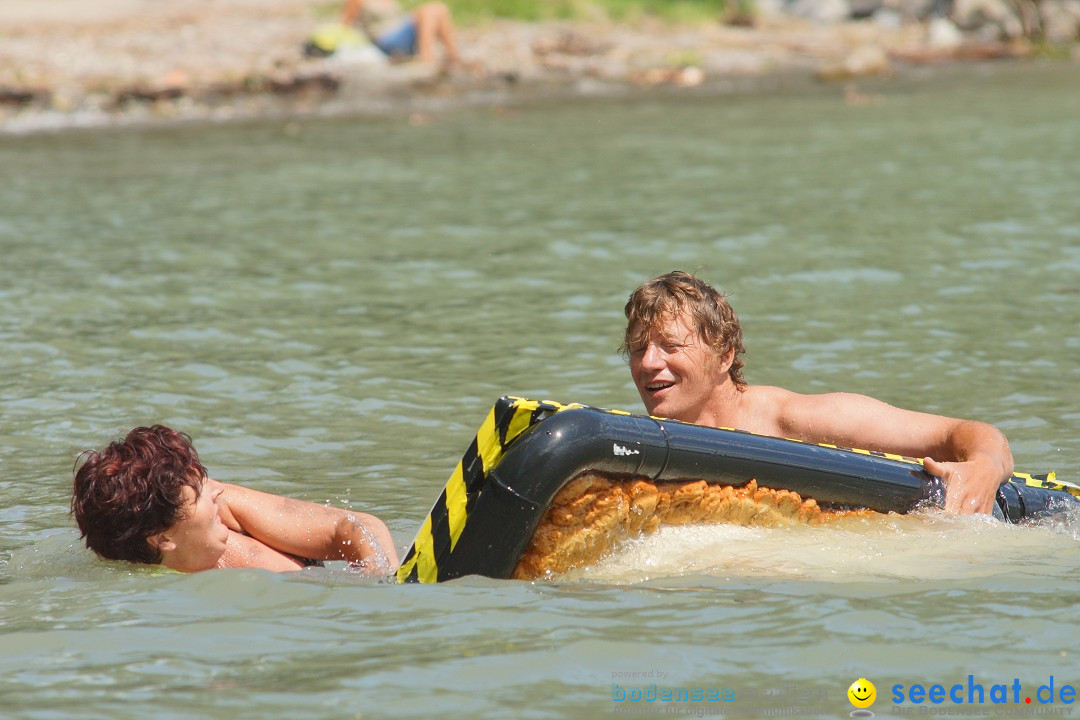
{"x": 527, "y": 451}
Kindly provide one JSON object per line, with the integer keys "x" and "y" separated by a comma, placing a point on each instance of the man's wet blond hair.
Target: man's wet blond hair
{"x": 708, "y": 310}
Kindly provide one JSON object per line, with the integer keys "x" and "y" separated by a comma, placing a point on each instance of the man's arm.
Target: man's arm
{"x": 972, "y": 457}
{"x": 309, "y": 530}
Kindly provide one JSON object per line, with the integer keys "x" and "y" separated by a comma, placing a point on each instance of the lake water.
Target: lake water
{"x": 330, "y": 307}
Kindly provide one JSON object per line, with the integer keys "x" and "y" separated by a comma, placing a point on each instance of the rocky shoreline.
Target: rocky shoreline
{"x": 126, "y": 62}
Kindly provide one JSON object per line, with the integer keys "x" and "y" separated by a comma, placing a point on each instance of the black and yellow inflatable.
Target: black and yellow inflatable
{"x": 527, "y": 452}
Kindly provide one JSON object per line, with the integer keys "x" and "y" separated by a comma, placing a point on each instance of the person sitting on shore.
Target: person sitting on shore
{"x": 400, "y": 34}
{"x": 684, "y": 342}
{"x": 148, "y": 499}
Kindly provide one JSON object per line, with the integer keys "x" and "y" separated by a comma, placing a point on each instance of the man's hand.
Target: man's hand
{"x": 970, "y": 486}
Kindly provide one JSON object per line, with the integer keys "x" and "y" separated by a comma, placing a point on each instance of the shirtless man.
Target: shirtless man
{"x": 684, "y": 344}
{"x": 148, "y": 499}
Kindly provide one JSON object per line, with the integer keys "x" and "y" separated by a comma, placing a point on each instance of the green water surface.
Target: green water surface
{"x": 329, "y": 307}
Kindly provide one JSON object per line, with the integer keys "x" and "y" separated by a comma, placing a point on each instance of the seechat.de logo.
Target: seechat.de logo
{"x": 862, "y": 695}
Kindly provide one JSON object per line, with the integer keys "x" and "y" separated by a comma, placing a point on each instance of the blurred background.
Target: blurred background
{"x": 65, "y": 63}
{"x": 325, "y": 264}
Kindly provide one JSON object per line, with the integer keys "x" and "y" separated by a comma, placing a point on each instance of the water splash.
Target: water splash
{"x": 378, "y": 563}
{"x": 927, "y": 545}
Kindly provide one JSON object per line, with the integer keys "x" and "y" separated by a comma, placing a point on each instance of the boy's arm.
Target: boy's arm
{"x": 309, "y": 530}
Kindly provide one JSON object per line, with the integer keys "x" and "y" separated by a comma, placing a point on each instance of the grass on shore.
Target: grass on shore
{"x": 690, "y": 12}
{"x": 675, "y": 11}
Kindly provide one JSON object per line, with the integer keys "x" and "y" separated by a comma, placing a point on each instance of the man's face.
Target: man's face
{"x": 676, "y": 373}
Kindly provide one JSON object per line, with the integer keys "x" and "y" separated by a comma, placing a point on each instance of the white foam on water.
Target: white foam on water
{"x": 928, "y": 546}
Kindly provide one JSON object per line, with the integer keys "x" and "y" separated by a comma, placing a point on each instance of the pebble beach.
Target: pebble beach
{"x": 70, "y": 64}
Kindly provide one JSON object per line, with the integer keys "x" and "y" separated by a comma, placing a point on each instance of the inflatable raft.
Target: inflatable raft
{"x": 545, "y": 486}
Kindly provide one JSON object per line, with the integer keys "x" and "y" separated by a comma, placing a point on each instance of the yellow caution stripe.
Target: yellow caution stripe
{"x": 438, "y": 535}
{"x": 1048, "y": 481}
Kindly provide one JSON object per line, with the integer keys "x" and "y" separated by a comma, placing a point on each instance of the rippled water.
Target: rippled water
{"x": 330, "y": 307}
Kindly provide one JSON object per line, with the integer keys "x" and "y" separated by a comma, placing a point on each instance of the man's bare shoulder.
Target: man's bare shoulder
{"x": 766, "y": 394}
{"x": 773, "y": 410}
{"x": 762, "y": 408}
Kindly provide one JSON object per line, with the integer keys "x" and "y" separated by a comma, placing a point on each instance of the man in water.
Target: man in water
{"x": 684, "y": 344}
{"x": 148, "y": 499}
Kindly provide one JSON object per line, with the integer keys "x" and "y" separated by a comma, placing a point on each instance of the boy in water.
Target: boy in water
{"x": 148, "y": 499}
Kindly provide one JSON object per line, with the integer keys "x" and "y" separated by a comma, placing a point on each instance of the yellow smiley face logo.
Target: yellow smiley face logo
{"x": 862, "y": 693}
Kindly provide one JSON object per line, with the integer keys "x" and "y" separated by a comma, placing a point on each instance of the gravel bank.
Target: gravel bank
{"x": 66, "y": 64}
